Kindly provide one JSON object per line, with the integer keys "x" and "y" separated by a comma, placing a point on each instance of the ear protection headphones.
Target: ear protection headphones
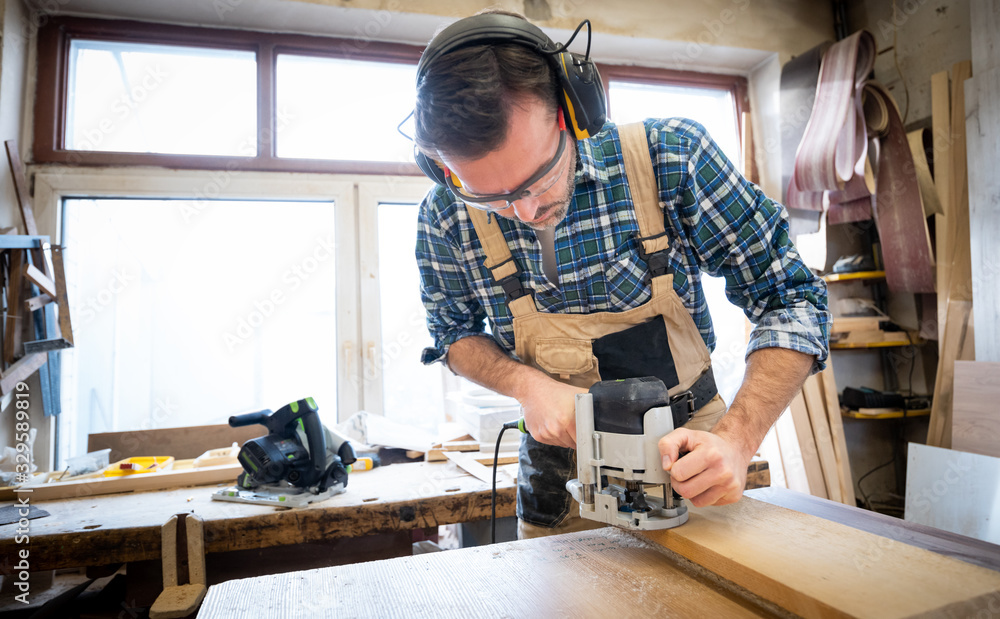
{"x": 580, "y": 84}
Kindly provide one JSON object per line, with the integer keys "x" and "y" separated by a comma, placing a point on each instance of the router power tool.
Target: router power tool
{"x": 300, "y": 461}
{"x": 618, "y": 426}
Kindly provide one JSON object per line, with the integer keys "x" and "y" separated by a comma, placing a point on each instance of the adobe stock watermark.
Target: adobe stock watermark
{"x": 220, "y": 180}
{"x": 88, "y": 310}
{"x": 121, "y": 109}
{"x": 291, "y": 280}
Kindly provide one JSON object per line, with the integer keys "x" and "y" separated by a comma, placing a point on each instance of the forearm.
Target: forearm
{"x": 481, "y": 360}
{"x": 548, "y": 406}
{"x": 773, "y": 377}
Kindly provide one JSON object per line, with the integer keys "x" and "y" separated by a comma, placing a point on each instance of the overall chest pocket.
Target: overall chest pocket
{"x": 626, "y": 276}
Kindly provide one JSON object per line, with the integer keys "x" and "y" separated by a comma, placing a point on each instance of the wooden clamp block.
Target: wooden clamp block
{"x": 180, "y": 600}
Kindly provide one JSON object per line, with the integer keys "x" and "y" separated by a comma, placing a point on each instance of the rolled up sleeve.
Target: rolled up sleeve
{"x": 742, "y": 235}
{"x": 453, "y": 311}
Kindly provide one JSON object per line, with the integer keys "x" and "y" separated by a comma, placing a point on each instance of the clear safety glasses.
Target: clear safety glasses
{"x": 540, "y": 182}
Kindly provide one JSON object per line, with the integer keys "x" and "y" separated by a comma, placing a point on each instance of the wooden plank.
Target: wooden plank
{"x": 807, "y": 445}
{"x": 976, "y": 416}
{"x": 792, "y": 463}
{"x": 838, "y": 571}
{"x": 21, "y": 370}
{"x": 181, "y": 443}
{"x": 21, "y": 187}
{"x": 967, "y": 549}
{"x": 588, "y": 574}
{"x": 38, "y": 302}
{"x": 941, "y": 125}
{"x": 829, "y": 389}
{"x": 956, "y": 334}
{"x": 983, "y": 131}
{"x": 12, "y": 340}
{"x": 469, "y": 464}
{"x": 136, "y": 483}
{"x": 40, "y": 279}
{"x": 960, "y": 275}
{"x": 816, "y": 408}
{"x": 65, "y": 324}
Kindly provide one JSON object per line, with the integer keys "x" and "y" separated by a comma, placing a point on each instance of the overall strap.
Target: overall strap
{"x": 500, "y": 263}
{"x": 653, "y": 243}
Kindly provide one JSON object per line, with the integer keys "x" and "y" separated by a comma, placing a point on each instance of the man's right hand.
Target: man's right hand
{"x": 549, "y": 409}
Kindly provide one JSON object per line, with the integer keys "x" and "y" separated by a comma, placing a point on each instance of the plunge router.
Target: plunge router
{"x": 619, "y": 424}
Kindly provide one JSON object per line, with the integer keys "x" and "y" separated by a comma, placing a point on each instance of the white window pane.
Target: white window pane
{"x": 330, "y": 108}
{"x": 185, "y": 313}
{"x": 137, "y": 98}
{"x": 712, "y": 108}
{"x": 412, "y": 393}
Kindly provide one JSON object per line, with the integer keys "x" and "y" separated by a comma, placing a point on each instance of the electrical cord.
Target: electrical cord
{"x": 906, "y": 409}
{"x": 564, "y": 46}
{"x": 510, "y": 425}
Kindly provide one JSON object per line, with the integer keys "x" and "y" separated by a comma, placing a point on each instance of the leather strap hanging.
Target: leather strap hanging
{"x": 831, "y": 156}
{"x": 799, "y": 77}
{"x": 899, "y": 212}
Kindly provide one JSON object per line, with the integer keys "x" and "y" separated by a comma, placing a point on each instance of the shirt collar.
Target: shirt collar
{"x": 591, "y": 164}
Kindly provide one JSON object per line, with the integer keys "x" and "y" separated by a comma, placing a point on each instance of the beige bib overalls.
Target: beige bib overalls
{"x": 561, "y": 345}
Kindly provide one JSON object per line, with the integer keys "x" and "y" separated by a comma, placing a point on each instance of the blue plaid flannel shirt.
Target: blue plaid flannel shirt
{"x": 718, "y": 223}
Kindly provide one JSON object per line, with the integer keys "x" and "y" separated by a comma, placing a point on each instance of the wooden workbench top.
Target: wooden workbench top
{"x": 597, "y": 573}
{"x": 119, "y": 528}
{"x": 796, "y": 562}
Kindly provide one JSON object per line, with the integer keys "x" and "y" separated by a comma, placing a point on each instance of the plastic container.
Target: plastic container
{"x": 88, "y": 463}
{"x": 138, "y": 465}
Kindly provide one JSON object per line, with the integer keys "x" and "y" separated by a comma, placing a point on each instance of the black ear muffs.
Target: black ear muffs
{"x": 583, "y": 99}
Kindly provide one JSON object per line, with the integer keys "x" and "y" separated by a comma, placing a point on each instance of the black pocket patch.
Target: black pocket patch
{"x": 642, "y": 350}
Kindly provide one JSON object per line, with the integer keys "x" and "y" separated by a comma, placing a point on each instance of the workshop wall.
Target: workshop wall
{"x": 16, "y": 29}
{"x": 931, "y": 36}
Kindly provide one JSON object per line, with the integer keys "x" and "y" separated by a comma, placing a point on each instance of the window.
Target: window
{"x": 128, "y": 93}
{"x": 187, "y": 313}
{"x": 136, "y": 98}
{"x": 322, "y": 116}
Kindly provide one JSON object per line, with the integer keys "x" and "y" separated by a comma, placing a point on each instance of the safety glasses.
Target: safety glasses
{"x": 540, "y": 182}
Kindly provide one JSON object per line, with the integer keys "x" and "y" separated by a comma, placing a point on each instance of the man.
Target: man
{"x": 586, "y": 253}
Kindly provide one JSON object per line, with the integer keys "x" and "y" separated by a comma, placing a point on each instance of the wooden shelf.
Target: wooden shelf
{"x": 832, "y": 278}
{"x": 883, "y": 413}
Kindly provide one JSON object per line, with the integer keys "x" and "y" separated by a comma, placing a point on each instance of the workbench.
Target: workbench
{"x": 126, "y": 528}
{"x": 750, "y": 559}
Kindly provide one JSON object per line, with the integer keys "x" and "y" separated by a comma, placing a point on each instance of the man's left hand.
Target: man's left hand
{"x": 712, "y": 472}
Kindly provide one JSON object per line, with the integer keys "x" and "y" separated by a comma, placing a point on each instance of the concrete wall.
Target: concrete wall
{"x": 930, "y": 35}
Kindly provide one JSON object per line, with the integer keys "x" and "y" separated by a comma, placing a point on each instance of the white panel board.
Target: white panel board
{"x": 954, "y": 491}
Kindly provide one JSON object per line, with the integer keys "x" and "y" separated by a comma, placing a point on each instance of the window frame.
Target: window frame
{"x": 736, "y": 85}
{"x": 51, "y": 93}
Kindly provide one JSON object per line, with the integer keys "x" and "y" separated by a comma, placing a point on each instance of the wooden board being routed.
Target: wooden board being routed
{"x": 817, "y": 568}
{"x": 597, "y": 573}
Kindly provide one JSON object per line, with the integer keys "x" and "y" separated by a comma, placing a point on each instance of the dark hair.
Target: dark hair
{"x": 465, "y": 98}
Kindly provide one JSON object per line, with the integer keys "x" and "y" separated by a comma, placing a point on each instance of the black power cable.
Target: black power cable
{"x": 510, "y": 425}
